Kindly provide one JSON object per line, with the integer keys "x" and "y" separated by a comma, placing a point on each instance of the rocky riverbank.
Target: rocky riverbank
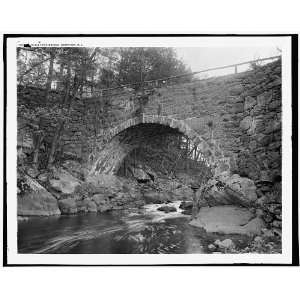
{"x": 230, "y": 206}
{"x": 61, "y": 190}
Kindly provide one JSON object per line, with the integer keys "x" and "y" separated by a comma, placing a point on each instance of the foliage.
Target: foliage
{"x": 78, "y": 72}
{"x": 142, "y": 64}
{"x": 97, "y": 68}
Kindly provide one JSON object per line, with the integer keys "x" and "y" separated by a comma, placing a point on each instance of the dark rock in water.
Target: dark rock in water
{"x": 104, "y": 208}
{"x": 75, "y": 204}
{"x": 102, "y": 202}
{"x": 188, "y": 212}
{"x": 86, "y": 205}
{"x": 211, "y": 247}
{"x": 187, "y": 207}
{"x": 36, "y": 200}
{"x": 167, "y": 208}
{"x": 68, "y": 206}
{"x": 186, "y": 204}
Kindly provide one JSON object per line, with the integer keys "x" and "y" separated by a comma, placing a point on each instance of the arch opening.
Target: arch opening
{"x": 167, "y": 145}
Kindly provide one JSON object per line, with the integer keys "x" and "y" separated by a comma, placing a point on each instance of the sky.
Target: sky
{"x": 207, "y": 57}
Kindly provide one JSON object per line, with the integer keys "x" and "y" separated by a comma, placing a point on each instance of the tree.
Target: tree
{"x": 78, "y": 72}
{"x": 52, "y": 54}
{"x": 141, "y": 64}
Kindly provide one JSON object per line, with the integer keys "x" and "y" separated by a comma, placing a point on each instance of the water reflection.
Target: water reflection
{"x": 136, "y": 231}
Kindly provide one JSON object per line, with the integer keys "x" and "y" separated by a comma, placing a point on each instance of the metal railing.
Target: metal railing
{"x": 156, "y": 83}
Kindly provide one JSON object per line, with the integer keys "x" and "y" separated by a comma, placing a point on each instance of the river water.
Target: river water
{"x": 145, "y": 230}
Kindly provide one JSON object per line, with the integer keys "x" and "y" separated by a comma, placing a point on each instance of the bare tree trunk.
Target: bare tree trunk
{"x": 38, "y": 141}
{"x": 55, "y": 141}
{"x": 68, "y": 85}
{"x": 186, "y": 154}
{"x": 60, "y": 85}
{"x": 50, "y": 76}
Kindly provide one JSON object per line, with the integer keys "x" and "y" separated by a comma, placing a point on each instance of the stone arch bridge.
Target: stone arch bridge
{"x": 244, "y": 110}
{"x": 145, "y": 130}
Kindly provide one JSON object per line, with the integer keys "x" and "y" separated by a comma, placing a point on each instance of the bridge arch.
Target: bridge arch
{"x": 131, "y": 133}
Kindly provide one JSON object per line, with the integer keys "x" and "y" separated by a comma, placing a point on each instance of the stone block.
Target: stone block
{"x": 249, "y": 102}
{"x": 263, "y": 139}
{"x": 237, "y": 108}
{"x": 274, "y": 105}
{"x": 246, "y": 123}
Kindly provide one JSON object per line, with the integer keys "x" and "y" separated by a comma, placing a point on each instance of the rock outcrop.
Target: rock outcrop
{"x": 34, "y": 199}
{"x": 101, "y": 194}
{"x": 229, "y": 190}
{"x": 63, "y": 182}
{"x": 228, "y": 220}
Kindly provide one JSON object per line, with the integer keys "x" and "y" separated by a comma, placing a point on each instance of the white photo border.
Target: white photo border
{"x": 10, "y": 252}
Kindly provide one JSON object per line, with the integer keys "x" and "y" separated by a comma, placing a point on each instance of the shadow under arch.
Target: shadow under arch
{"x": 132, "y": 133}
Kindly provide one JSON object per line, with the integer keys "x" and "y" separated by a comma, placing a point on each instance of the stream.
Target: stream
{"x": 144, "y": 230}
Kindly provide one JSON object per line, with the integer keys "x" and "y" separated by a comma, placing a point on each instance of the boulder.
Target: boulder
{"x": 186, "y": 205}
{"x": 139, "y": 174}
{"x": 254, "y": 227}
{"x": 258, "y": 240}
{"x": 76, "y": 204}
{"x": 211, "y": 247}
{"x": 111, "y": 182}
{"x": 228, "y": 220}
{"x": 91, "y": 206}
{"x": 102, "y": 202}
{"x": 167, "y": 208}
{"x": 225, "y": 244}
{"x": 86, "y": 205}
{"x": 100, "y": 199}
{"x": 68, "y": 206}
{"x": 36, "y": 200}
{"x": 229, "y": 190}
{"x": 215, "y": 196}
{"x": 243, "y": 185}
{"x": 64, "y": 182}
{"x": 104, "y": 208}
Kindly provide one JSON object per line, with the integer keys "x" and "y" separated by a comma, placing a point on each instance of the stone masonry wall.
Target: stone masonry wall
{"x": 244, "y": 111}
